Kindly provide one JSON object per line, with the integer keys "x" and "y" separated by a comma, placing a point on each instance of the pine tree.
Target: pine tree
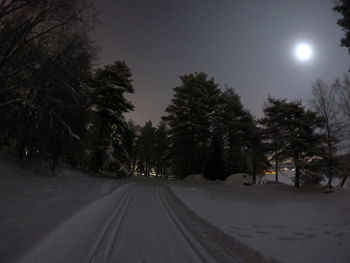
{"x": 189, "y": 117}
{"x": 215, "y": 164}
{"x": 236, "y": 125}
{"x": 343, "y": 8}
{"x": 161, "y": 149}
{"x": 296, "y": 127}
{"x": 146, "y": 148}
{"x": 109, "y": 86}
{"x": 273, "y": 135}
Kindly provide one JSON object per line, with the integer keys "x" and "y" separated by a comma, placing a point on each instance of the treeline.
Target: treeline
{"x": 53, "y": 105}
{"x": 207, "y": 131}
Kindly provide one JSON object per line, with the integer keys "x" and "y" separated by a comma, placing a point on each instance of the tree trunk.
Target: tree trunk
{"x": 297, "y": 171}
{"x": 330, "y": 157}
{"x": 330, "y": 175}
{"x": 27, "y": 127}
{"x": 276, "y": 169}
{"x": 342, "y": 183}
{"x": 97, "y": 159}
{"x": 54, "y": 162}
{"x": 254, "y": 171}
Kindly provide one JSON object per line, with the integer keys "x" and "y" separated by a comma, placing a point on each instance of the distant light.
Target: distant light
{"x": 303, "y": 52}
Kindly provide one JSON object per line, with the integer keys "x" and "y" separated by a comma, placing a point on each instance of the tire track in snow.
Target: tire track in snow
{"x": 193, "y": 243}
{"x": 139, "y": 222}
{"x": 71, "y": 242}
{"x": 221, "y": 246}
{"x": 102, "y": 247}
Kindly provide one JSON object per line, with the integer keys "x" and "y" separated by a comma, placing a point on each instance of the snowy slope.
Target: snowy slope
{"x": 32, "y": 206}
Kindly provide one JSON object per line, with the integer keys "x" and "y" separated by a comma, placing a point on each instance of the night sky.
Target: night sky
{"x": 244, "y": 44}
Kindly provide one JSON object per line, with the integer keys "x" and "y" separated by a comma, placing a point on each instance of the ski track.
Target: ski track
{"x": 139, "y": 222}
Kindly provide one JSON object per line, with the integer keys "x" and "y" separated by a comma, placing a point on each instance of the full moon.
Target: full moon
{"x": 303, "y": 52}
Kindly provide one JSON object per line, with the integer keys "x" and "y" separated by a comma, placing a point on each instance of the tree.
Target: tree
{"x": 161, "y": 149}
{"x": 256, "y": 150}
{"x": 25, "y": 22}
{"x": 342, "y": 88}
{"x": 343, "y": 8}
{"x": 215, "y": 164}
{"x": 325, "y": 104}
{"x": 297, "y": 128}
{"x": 272, "y": 133}
{"x": 236, "y": 125}
{"x": 146, "y": 148}
{"x": 45, "y": 62}
{"x": 109, "y": 86}
{"x": 189, "y": 117}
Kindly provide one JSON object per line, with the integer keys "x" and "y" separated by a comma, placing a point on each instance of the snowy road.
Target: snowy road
{"x": 139, "y": 222}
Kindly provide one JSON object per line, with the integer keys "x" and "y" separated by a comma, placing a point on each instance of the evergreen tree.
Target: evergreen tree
{"x": 257, "y": 160}
{"x": 189, "y": 117}
{"x": 146, "y": 144}
{"x": 236, "y": 125}
{"x": 343, "y": 8}
{"x": 215, "y": 164}
{"x": 273, "y": 135}
{"x": 109, "y": 86}
{"x": 297, "y": 128}
{"x": 161, "y": 149}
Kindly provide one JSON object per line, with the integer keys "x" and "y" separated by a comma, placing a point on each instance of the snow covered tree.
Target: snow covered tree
{"x": 25, "y": 24}
{"x": 109, "y": 86}
{"x": 45, "y": 62}
{"x": 54, "y": 97}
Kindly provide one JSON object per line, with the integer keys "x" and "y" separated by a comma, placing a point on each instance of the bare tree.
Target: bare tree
{"x": 342, "y": 88}
{"x": 45, "y": 64}
{"x": 25, "y": 26}
{"x": 324, "y": 103}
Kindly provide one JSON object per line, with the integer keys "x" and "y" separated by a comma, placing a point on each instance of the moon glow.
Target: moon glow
{"x": 303, "y": 52}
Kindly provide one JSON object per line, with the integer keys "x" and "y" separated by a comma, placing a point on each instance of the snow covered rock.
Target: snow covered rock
{"x": 238, "y": 179}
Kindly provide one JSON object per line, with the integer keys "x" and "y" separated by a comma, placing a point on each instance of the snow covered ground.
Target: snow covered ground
{"x": 287, "y": 177}
{"x": 279, "y": 221}
{"x": 75, "y": 218}
{"x": 32, "y": 206}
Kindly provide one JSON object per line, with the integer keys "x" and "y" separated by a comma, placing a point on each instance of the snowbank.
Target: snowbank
{"x": 238, "y": 179}
{"x": 287, "y": 177}
{"x": 31, "y": 206}
{"x": 195, "y": 178}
